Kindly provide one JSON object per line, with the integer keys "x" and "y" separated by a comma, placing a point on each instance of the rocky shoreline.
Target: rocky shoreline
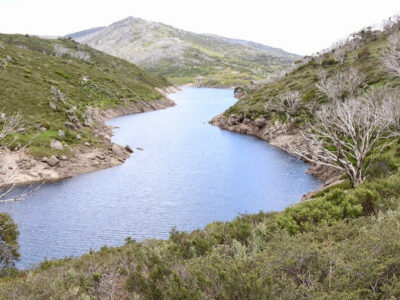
{"x": 280, "y": 136}
{"x": 20, "y": 168}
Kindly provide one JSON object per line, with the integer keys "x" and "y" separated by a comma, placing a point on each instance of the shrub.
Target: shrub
{"x": 334, "y": 206}
{"x": 8, "y": 241}
{"x": 363, "y": 53}
{"x": 383, "y": 166}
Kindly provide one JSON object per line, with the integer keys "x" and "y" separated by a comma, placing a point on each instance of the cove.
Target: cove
{"x": 188, "y": 175}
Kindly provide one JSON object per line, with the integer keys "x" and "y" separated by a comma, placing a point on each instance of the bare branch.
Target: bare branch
{"x": 391, "y": 56}
{"x": 288, "y": 102}
{"x": 345, "y": 133}
{"x": 341, "y": 84}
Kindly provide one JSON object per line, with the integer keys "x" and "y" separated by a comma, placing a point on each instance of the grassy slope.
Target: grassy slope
{"x": 367, "y": 59}
{"x": 181, "y": 55}
{"x": 25, "y": 84}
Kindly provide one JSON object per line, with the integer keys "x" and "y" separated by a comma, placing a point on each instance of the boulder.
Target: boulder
{"x": 10, "y": 59}
{"x": 88, "y": 144}
{"x": 260, "y": 122}
{"x": 58, "y": 95}
{"x": 116, "y": 150}
{"x": 53, "y": 105}
{"x": 239, "y": 91}
{"x": 234, "y": 119}
{"x": 45, "y": 159}
{"x": 73, "y": 119}
{"x": 52, "y": 161}
{"x": 63, "y": 157}
{"x": 88, "y": 118}
{"x": 107, "y": 137}
{"x": 129, "y": 149}
{"x": 61, "y": 134}
{"x": 71, "y": 126}
{"x": 56, "y": 145}
{"x": 78, "y": 137}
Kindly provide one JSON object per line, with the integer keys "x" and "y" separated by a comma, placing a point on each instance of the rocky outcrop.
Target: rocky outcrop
{"x": 276, "y": 134}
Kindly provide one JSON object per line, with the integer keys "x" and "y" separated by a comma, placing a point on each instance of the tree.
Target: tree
{"x": 392, "y": 24}
{"x": 348, "y": 134}
{"x": 9, "y": 127}
{"x": 391, "y": 56}
{"x": 340, "y": 54}
{"x": 288, "y": 102}
{"x": 8, "y": 241}
{"x": 340, "y": 85}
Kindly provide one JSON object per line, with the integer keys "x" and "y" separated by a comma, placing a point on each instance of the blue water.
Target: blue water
{"x": 189, "y": 174}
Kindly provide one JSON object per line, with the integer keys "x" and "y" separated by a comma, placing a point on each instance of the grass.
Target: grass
{"x": 102, "y": 81}
{"x": 218, "y": 78}
{"x": 304, "y": 78}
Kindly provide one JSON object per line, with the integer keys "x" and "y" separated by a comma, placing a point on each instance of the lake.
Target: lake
{"x": 189, "y": 174}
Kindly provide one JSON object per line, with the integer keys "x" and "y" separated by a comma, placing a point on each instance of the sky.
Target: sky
{"x": 302, "y": 27}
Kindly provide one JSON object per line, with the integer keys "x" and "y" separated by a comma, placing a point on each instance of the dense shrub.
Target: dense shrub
{"x": 8, "y": 242}
{"x": 383, "y": 166}
{"x": 334, "y": 206}
{"x": 357, "y": 259}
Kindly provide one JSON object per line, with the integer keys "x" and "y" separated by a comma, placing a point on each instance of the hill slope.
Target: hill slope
{"x": 363, "y": 53}
{"x": 181, "y": 55}
{"x": 56, "y": 85}
{"x": 366, "y": 58}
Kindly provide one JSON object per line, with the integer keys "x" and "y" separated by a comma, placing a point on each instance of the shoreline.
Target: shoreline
{"x": 209, "y": 86}
{"x": 277, "y": 135}
{"x": 22, "y": 169}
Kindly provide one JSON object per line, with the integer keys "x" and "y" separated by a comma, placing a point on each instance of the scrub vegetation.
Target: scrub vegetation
{"x": 343, "y": 243}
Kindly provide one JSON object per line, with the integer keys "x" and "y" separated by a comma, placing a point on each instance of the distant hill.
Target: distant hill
{"x": 181, "y": 56}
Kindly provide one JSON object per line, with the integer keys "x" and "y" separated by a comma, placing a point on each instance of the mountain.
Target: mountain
{"x": 181, "y": 55}
{"x": 84, "y": 33}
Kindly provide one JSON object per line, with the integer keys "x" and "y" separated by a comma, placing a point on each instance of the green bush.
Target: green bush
{"x": 8, "y": 242}
{"x": 383, "y": 166}
{"x": 332, "y": 207}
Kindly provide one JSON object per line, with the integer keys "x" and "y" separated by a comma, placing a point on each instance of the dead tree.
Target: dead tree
{"x": 340, "y": 85}
{"x": 340, "y": 55}
{"x": 391, "y": 56}
{"x": 348, "y": 135}
{"x": 289, "y": 102}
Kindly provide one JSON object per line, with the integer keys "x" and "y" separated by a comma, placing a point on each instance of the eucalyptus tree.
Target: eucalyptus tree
{"x": 349, "y": 131}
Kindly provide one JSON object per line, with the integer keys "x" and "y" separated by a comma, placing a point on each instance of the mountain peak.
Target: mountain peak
{"x": 182, "y": 55}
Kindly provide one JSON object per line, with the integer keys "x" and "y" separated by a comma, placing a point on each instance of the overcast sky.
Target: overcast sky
{"x": 302, "y": 26}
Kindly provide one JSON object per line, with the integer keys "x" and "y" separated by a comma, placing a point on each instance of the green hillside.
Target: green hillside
{"x": 51, "y": 82}
{"x": 181, "y": 56}
{"x": 366, "y": 58}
